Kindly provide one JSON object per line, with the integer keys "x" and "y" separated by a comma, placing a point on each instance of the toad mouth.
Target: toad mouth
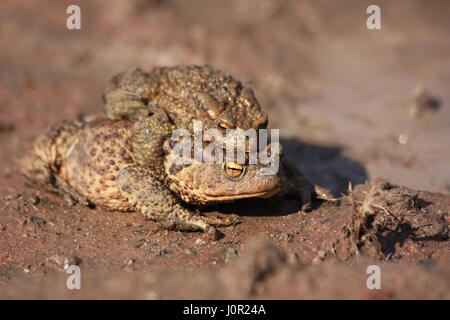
{"x": 260, "y": 194}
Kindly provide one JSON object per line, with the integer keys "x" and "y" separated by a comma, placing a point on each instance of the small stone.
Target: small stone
{"x": 163, "y": 252}
{"x": 35, "y": 199}
{"x": 190, "y": 252}
{"x": 200, "y": 241}
{"x": 292, "y": 258}
{"x": 34, "y": 220}
{"x": 64, "y": 262}
{"x": 229, "y": 253}
{"x": 403, "y": 139}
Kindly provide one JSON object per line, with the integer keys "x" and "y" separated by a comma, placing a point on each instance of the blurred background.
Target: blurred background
{"x": 351, "y": 103}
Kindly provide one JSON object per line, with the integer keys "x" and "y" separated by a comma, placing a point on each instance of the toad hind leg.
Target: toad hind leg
{"x": 39, "y": 173}
{"x": 40, "y": 165}
{"x": 147, "y": 194}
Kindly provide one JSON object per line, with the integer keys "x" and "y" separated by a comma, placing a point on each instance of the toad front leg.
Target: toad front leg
{"x": 148, "y": 195}
{"x": 129, "y": 94}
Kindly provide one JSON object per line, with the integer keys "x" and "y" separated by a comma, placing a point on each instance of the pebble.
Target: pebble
{"x": 229, "y": 253}
{"x": 200, "y": 241}
{"x": 190, "y": 252}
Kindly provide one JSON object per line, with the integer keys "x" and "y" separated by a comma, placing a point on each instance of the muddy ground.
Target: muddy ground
{"x": 347, "y": 101}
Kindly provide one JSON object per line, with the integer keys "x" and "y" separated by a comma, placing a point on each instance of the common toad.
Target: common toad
{"x": 106, "y": 162}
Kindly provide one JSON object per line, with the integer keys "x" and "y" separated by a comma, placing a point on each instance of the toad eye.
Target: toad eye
{"x": 234, "y": 171}
{"x": 224, "y": 125}
{"x": 148, "y": 131}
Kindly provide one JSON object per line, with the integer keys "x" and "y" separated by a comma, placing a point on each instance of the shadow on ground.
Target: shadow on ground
{"x": 325, "y": 166}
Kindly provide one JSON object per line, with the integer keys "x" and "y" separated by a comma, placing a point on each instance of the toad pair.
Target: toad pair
{"x": 126, "y": 161}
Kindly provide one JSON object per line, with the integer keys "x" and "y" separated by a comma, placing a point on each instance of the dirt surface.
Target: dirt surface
{"x": 368, "y": 107}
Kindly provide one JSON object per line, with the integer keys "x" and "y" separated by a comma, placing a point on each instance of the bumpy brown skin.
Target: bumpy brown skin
{"x": 185, "y": 93}
{"x": 206, "y": 182}
{"x": 121, "y": 165}
{"x": 126, "y": 162}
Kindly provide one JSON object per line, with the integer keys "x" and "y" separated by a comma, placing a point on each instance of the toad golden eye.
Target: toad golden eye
{"x": 234, "y": 170}
{"x": 223, "y": 125}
